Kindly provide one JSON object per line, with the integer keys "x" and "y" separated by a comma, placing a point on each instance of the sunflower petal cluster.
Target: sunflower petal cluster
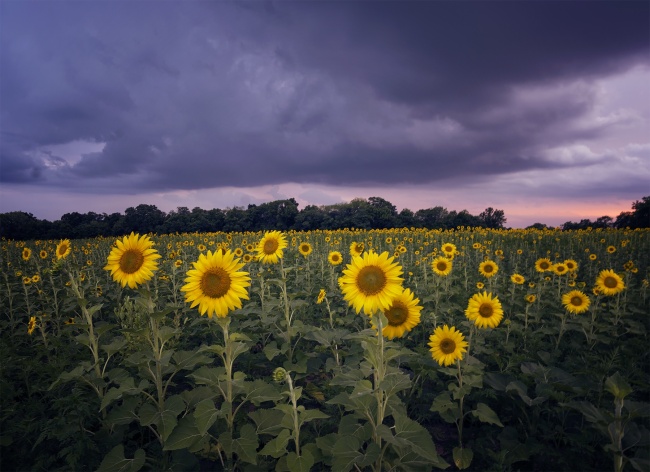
{"x": 609, "y": 282}
{"x": 132, "y": 261}
{"x": 484, "y": 310}
{"x": 371, "y": 281}
{"x": 403, "y": 314}
{"x": 216, "y": 284}
{"x": 447, "y": 345}
{"x": 271, "y": 246}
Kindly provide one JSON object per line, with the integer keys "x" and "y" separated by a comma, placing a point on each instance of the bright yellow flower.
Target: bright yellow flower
{"x": 441, "y": 266}
{"x": 447, "y": 345}
{"x": 488, "y": 268}
{"x": 576, "y": 302}
{"x": 269, "y": 249}
{"x": 132, "y": 261}
{"x": 403, "y": 315}
{"x": 609, "y": 282}
{"x": 484, "y": 311}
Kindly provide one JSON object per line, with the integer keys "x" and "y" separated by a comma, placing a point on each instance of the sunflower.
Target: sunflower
{"x": 560, "y": 268}
{"x": 215, "y": 284}
{"x": 593, "y": 257}
{"x": 403, "y": 315}
{"x": 480, "y": 285}
{"x": 543, "y": 264}
{"x": 441, "y": 266}
{"x": 27, "y": 253}
{"x": 269, "y": 249}
{"x": 356, "y": 249}
{"x": 531, "y": 298}
{"x": 247, "y": 258}
{"x": 132, "y": 260}
{"x": 63, "y": 249}
{"x": 335, "y": 258}
{"x": 484, "y": 311}
{"x": 609, "y": 282}
{"x": 576, "y": 302}
{"x": 42, "y": 254}
{"x": 239, "y": 252}
{"x": 488, "y": 268}
{"x": 611, "y": 249}
{"x": 36, "y": 279}
{"x": 517, "y": 279}
{"x": 321, "y": 296}
{"x": 449, "y": 249}
{"x": 371, "y": 282}
{"x": 178, "y": 263}
{"x": 305, "y": 249}
{"x": 476, "y": 245}
{"x": 31, "y": 326}
{"x": 447, "y": 345}
{"x": 571, "y": 265}
{"x": 27, "y": 280}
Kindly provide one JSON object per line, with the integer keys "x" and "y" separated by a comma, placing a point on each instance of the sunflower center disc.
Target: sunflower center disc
{"x": 447, "y": 346}
{"x": 371, "y": 280}
{"x": 544, "y": 265}
{"x": 270, "y": 246}
{"x": 441, "y": 266}
{"x": 610, "y": 282}
{"x": 216, "y": 283}
{"x": 397, "y": 314}
{"x": 131, "y": 261}
{"x": 488, "y": 268}
{"x": 485, "y": 310}
{"x": 576, "y": 301}
{"x": 63, "y": 249}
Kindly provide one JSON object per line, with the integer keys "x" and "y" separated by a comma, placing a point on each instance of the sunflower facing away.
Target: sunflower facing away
{"x": 132, "y": 260}
{"x": 63, "y": 249}
{"x": 447, "y": 345}
{"x": 269, "y": 249}
{"x": 484, "y": 311}
{"x": 609, "y": 282}
{"x": 576, "y": 302}
{"x": 335, "y": 258}
{"x": 216, "y": 284}
{"x": 403, "y": 315}
{"x": 371, "y": 282}
{"x": 488, "y": 268}
{"x": 305, "y": 249}
{"x": 441, "y": 265}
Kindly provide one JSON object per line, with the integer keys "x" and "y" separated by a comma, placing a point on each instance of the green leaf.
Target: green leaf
{"x": 271, "y": 350}
{"x": 206, "y": 414}
{"x": 302, "y": 463}
{"x": 259, "y": 391}
{"x": 617, "y": 386}
{"x": 395, "y": 382}
{"x": 463, "y": 457}
{"x": 267, "y": 421}
{"x": 346, "y": 453}
{"x": 309, "y": 415}
{"x": 448, "y": 410}
{"x": 246, "y": 445}
{"x": 115, "y": 461}
{"x": 164, "y": 420}
{"x": 184, "y": 435}
{"x": 485, "y": 414}
{"x": 277, "y": 446}
{"x": 418, "y": 439}
{"x": 188, "y": 359}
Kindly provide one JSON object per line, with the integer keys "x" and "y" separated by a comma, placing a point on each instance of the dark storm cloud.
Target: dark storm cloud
{"x": 189, "y": 95}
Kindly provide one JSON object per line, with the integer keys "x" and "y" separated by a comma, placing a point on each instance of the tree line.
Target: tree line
{"x": 371, "y": 213}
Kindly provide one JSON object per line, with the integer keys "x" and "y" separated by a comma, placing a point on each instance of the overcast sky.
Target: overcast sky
{"x": 539, "y": 108}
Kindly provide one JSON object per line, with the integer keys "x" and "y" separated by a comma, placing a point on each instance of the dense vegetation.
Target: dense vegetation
{"x": 96, "y": 375}
{"x": 373, "y": 213}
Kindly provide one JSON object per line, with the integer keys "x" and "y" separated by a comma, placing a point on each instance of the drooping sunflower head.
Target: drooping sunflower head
{"x": 517, "y": 279}
{"x": 576, "y": 302}
{"x": 335, "y": 258}
{"x": 442, "y": 266}
{"x": 447, "y": 345}
{"x": 356, "y": 249}
{"x": 543, "y": 264}
{"x": 270, "y": 248}
{"x": 132, "y": 261}
{"x": 27, "y": 253}
{"x": 403, "y": 315}
{"x": 488, "y": 268}
{"x": 371, "y": 281}
{"x": 305, "y": 249}
{"x": 609, "y": 282}
{"x": 216, "y": 284}
{"x": 484, "y": 310}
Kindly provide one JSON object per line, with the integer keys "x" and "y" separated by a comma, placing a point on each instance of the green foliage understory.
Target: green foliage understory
{"x": 119, "y": 379}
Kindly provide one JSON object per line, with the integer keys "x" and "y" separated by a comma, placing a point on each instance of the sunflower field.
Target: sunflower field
{"x": 348, "y": 350}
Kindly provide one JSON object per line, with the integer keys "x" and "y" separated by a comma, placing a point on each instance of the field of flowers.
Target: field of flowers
{"x": 401, "y": 350}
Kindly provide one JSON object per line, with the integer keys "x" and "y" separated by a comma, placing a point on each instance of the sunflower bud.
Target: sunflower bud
{"x": 279, "y": 374}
